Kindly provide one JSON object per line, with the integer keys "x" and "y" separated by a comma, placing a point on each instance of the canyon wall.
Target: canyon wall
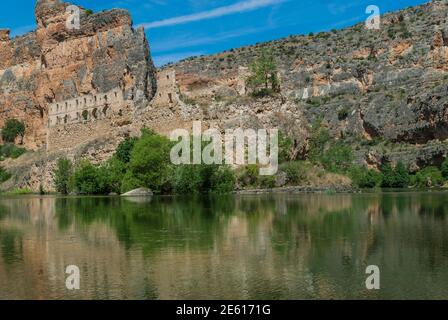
{"x": 57, "y": 65}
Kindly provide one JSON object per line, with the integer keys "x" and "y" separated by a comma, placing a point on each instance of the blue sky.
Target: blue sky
{"x": 180, "y": 28}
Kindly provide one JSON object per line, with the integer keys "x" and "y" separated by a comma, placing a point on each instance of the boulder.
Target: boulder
{"x": 141, "y": 192}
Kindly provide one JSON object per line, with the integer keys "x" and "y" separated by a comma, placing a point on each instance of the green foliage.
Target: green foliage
{"x": 89, "y": 12}
{"x": 63, "y": 176}
{"x": 318, "y": 140}
{"x": 124, "y": 149}
{"x": 285, "y": 148}
{"x": 130, "y": 182}
{"x": 10, "y": 150}
{"x": 249, "y": 175}
{"x": 365, "y": 178}
{"x": 223, "y": 180}
{"x": 267, "y": 181}
{"x": 263, "y": 79}
{"x": 397, "y": 177}
{"x": 429, "y": 177}
{"x": 12, "y": 129}
{"x": 445, "y": 169}
{"x": 4, "y": 175}
{"x": 387, "y": 176}
{"x": 90, "y": 179}
{"x": 295, "y": 171}
{"x": 150, "y": 162}
{"x": 116, "y": 171}
{"x": 401, "y": 176}
{"x": 188, "y": 179}
{"x": 338, "y": 158}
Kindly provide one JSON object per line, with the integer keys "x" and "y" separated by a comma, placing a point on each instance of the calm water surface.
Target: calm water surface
{"x": 232, "y": 247}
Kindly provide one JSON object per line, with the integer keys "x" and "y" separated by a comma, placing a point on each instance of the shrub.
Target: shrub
{"x": 130, "y": 182}
{"x": 10, "y": 150}
{"x": 89, "y": 179}
{"x": 401, "y": 176}
{"x": 387, "y": 176}
{"x": 285, "y": 148}
{"x": 364, "y": 177}
{"x": 4, "y": 175}
{"x": 445, "y": 169}
{"x": 188, "y": 179}
{"x": 319, "y": 138}
{"x": 249, "y": 175}
{"x": 63, "y": 176}
{"x": 223, "y": 180}
{"x": 295, "y": 171}
{"x": 268, "y": 181}
{"x": 337, "y": 158}
{"x": 12, "y": 129}
{"x": 150, "y": 162}
{"x": 429, "y": 177}
{"x": 124, "y": 150}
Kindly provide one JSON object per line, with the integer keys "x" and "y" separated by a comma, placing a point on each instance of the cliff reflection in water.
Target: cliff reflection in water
{"x": 233, "y": 247}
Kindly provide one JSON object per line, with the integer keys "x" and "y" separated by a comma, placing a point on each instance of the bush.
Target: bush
{"x": 445, "y": 169}
{"x": 429, "y": 177}
{"x": 12, "y": 129}
{"x": 338, "y": 158}
{"x": 268, "y": 181}
{"x": 4, "y": 175}
{"x": 150, "y": 162}
{"x": 295, "y": 171}
{"x": 63, "y": 176}
{"x": 364, "y": 177}
{"x": 223, "y": 180}
{"x": 401, "y": 176}
{"x": 285, "y": 148}
{"x": 397, "y": 177}
{"x": 249, "y": 176}
{"x": 387, "y": 176}
{"x": 91, "y": 180}
{"x": 188, "y": 179}
{"x": 124, "y": 150}
{"x": 130, "y": 182}
{"x": 319, "y": 138}
{"x": 10, "y": 150}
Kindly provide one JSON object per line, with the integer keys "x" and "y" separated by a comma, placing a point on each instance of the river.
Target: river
{"x": 284, "y": 246}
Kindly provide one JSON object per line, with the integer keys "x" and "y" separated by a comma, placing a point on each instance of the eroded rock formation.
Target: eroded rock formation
{"x": 54, "y": 64}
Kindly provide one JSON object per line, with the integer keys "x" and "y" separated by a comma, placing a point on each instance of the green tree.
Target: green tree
{"x": 264, "y": 79}
{"x": 387, "y": 176}
{"x": 150, "y": 162}
{"x": 63, "y": 176}
{"x": 124, "y": 149}
{"x": 12, "y": 129}
{"x": 401, "y": 176}
{"x": 364, "y": 177}
{"x": 90, "y": 179}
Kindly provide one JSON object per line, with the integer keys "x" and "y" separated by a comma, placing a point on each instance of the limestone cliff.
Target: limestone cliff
{"x": 54, "y": 64}
{"x": 80, "y": 92}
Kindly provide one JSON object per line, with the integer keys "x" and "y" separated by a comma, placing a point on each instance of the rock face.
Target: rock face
{"x": 366, "y": 86}
{"x": 81, "y": 91}
{"x": 55, "y": 64}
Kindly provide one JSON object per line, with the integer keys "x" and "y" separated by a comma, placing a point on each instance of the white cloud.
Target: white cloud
{"x": 243, "y": 6}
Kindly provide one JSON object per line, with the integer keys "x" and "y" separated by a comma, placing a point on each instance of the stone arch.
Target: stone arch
{"x": 85, "y": 115}
{"x": 95, "y": 113}
{"x": 66, "y": 119}
{"x": 105, "y": 110}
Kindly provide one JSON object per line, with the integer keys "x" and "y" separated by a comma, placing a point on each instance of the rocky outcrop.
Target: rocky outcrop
{"x": 369, "y": 85}
{"x": 55, "y": 63}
